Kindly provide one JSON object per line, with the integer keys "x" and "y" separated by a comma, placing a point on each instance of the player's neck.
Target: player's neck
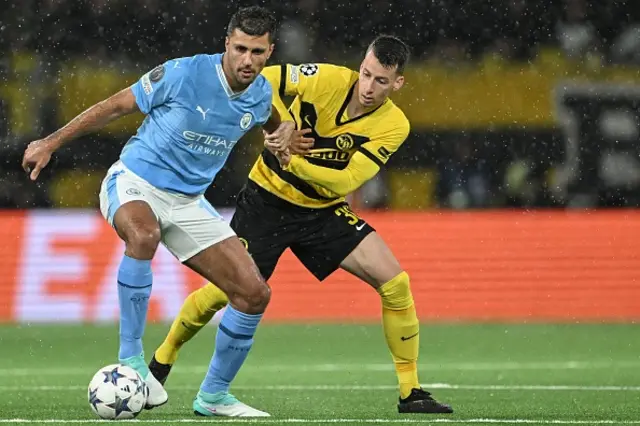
{"x": 234, "y": 85}
{"x": 355, "y": 109}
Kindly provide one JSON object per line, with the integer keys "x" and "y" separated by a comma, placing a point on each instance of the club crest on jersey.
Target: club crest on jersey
{"x": 344, "y": 142}
{"x": 245, "y": 121}
{"x": 308, "y": 69}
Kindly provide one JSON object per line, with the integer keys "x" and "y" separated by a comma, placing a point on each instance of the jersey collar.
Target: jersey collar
{"x": 339, "y": 121}
{"x": 225, "y": 84}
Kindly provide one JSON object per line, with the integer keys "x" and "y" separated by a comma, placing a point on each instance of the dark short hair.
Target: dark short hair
{"x": 391, "y": 51}
{"x": 254, "y": 20}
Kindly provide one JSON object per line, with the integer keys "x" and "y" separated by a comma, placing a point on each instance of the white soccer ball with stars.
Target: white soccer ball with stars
{"x": 117, "y": 392}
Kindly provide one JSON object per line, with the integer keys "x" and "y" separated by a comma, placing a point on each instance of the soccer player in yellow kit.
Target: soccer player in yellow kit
{"x": 297, "y": 201}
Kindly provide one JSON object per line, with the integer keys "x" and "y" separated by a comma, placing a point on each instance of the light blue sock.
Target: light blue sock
{"x": 233, "y": 341}
{"x": 134, "y": 290}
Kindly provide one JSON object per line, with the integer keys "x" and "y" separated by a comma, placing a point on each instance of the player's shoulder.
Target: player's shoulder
{"x": 326, "y": 82}
{"x": 261, "y": 83}
{"x": 261, "y": 88}
{"x": 192, "y": 65}
{"x": 399, "y": 118}
{"x": 327, "y": 72}
{"x": 174, "y": 70}
{"x": 395, "y": 123}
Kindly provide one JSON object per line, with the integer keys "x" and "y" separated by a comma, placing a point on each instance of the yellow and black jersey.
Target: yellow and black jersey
{"x": 347, "y": 151}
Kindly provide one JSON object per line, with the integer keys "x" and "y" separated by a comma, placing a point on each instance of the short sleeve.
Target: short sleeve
{"x": 293, "y": 80}
{"x": 160, "y": 85}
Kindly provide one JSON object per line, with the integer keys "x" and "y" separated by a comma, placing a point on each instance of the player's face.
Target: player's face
{"x": 247, "y": 56}
{"x": 376, "y": 82}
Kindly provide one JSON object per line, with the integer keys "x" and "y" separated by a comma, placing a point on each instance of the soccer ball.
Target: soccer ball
{"x": 117, "y": 392}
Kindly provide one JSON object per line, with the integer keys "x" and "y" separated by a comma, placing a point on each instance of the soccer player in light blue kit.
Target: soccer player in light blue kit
{"x": 197, "y": 110}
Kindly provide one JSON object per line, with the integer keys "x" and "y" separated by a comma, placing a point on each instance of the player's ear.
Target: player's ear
{"x": 270, "y": 51}
{"x": 397, "y": 85}
{"x": 226, "y": 43}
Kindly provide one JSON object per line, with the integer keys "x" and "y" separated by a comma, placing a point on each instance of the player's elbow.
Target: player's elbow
{"x": 122, "y": 103}
{"x": 342, "y": 191}
{"x": 347, "y": 186}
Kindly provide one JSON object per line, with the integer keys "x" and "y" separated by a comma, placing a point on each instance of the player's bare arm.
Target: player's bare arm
{"x": 296, "y": 142}
{"x": 38, "y": 153}
{"x": 282, "y": 135}
{"x": 274, "y": 123}
{"x": 279, "y": 133}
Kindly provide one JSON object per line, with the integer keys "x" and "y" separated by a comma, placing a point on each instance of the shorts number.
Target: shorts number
{"x": 346, "y": 212}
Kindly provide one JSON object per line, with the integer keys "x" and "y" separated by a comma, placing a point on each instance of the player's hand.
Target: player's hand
{"x": 284, "y": 157}
{"x": 37, "y": 156}
{"x": 281, "y": 138}
{"x": 300, "y": 143}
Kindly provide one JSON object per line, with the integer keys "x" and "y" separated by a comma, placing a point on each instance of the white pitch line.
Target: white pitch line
{"x": 371, "y": 367}
{"x": 29, "y": 388}
{"x": 343, "y": 421}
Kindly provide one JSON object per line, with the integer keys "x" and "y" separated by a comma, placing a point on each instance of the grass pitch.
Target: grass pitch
{"x": 342, "y": 374}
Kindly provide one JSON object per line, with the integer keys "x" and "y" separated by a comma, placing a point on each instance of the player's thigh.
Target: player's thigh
{"x": 203, "y": 241}
{"x": 131, "y": 207}
{"x": 193, "y": 226}
{"x": 329, "y": 238}
{"x": 372, "y": 261}
{"x": 263, "y": 231}
{"x": 229, "y": 265}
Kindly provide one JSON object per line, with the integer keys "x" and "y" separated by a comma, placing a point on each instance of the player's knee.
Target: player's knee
{"x": 258, "y": 296}
{"x": 142, "y": 242}
{"x": 254, "y": 299}
{"x": 396, "y": 294}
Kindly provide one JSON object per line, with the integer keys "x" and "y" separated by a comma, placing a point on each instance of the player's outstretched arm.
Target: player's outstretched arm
{"x": 363, "y": 165}
{"x": 341, "y": 182}
{"x": 38, "y": 153}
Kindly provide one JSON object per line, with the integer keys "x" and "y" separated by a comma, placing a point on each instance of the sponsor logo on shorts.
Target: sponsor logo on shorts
{"x": 244, "y": 242}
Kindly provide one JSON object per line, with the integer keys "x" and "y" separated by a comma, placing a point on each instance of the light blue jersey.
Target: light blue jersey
{"x": 193, "y": 122}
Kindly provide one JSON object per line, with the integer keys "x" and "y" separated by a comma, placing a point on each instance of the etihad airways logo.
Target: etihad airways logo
{"x": 208, "y": 144}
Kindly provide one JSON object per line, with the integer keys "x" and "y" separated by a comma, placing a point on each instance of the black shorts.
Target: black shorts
{"x": 320, "y": 238}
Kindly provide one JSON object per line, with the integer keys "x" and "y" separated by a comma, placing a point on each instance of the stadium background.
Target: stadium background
{"x": 514, "y": 199}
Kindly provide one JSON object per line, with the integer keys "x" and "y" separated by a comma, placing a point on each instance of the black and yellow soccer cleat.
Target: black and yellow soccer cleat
{"x": 159, "y": 371}
{"x": 421, "y": 401}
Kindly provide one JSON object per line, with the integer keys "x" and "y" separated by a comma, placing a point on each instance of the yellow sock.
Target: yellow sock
{"x": 197, "y": 310}
{"x": 401, "y": 328}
